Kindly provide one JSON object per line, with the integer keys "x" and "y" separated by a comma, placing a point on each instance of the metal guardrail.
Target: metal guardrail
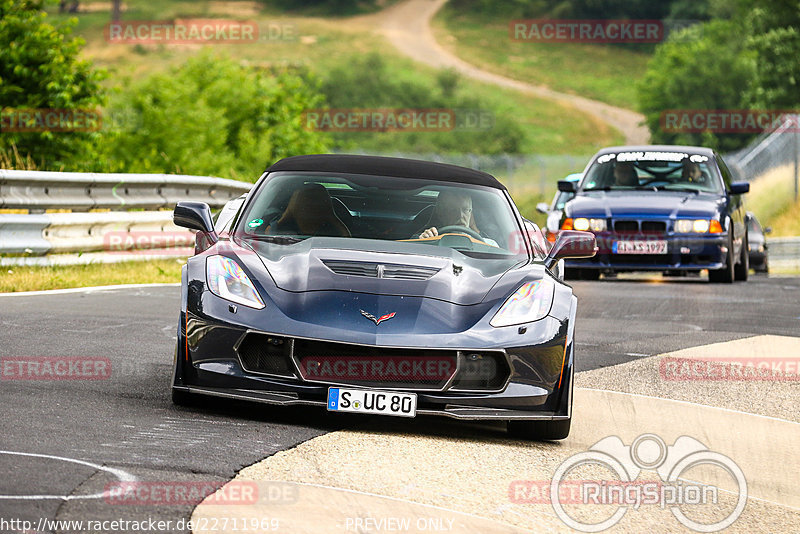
{"x": 41, "y": 190}
{"x": 113, "y": 232}
{"x": 784, "y": 251}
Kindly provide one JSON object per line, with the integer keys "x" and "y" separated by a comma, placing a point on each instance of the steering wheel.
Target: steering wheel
{"x": 457, "y": 229}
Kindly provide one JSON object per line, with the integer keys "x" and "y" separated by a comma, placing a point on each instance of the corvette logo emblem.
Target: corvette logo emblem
{"x": 377, "y": 320}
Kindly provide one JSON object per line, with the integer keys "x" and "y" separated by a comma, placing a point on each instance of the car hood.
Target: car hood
{"x": 644, "y": 204}
{"x": 312, "y": 265}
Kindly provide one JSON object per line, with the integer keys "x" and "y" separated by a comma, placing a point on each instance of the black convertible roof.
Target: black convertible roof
{"x": 382, "y": 166}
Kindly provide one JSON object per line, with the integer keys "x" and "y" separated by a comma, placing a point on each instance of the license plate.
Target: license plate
{"x": 639, "y": 247}
{"x": 372, "y": 401}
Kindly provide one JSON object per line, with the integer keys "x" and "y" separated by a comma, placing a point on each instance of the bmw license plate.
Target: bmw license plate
{"x": 639, "y": 247}
{"x": 372, "y": 401}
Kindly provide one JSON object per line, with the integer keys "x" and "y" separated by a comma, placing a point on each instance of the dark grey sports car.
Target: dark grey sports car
{"x": 382, "y": 286}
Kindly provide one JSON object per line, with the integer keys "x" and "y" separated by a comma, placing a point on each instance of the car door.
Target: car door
{"x": 736, "y": 209}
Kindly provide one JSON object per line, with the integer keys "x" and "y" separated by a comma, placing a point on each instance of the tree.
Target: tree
{"x": 775, "y": 39}
{"x": 705, "y": 67}
{"x": 40, "y": 69}
{"x": 213, "y": 116}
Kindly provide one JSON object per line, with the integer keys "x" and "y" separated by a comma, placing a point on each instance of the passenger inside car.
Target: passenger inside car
{"x": 310, "y": 212}
{"x": 625, "y": 174}
{"x": 691, "y": 172}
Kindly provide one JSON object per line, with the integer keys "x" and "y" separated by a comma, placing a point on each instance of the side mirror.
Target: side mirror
{"x": 572, "y": 244}
{"x": 566, "y": 186}
{"x": 196, "y": 216}
{"x": 542, "y": 207}
{"x": 768, "y": 230}
{"x": 740, "y": 188}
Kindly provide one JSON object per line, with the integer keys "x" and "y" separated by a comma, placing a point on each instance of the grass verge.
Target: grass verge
{"x": 13, "y": 279}
{"x": 323, "y": 44}
{"x": 607, "y": 73}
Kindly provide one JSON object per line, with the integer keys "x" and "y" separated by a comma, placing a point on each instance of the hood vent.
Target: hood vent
{"x": 380, "y": 270}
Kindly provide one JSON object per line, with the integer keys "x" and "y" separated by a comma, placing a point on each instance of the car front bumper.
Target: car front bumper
{"x": 688, "y": 253}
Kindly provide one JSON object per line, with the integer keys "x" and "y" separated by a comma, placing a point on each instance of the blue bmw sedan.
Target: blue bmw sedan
{"x": 659, "y": 208}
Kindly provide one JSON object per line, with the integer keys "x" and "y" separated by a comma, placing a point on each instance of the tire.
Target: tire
{"x": 540, "y": 430}
{"x": 724, "y": 275}
{"x": 742, "y": 269}
{"x": 570, "y": 273}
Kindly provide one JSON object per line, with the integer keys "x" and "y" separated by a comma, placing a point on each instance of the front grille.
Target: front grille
{"x": 265, "y": 354}
{"x": 342, "y": 363}
{"x": 659, "y": 227}
{"x": 380, "y": 270}
{"x": 626, "y": 226}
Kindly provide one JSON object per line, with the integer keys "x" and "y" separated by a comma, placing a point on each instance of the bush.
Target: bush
{"x": 40, "y": 69}
{"x": 705, "y": 67}
{"x": 367, "y": 82}
{"x": 213, "y": 116}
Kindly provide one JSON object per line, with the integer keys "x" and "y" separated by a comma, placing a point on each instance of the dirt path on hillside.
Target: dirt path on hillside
{"x": 407, "y": 26}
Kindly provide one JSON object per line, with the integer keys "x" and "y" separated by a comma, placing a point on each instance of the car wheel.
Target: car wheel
{"x": 765, "y": 266}
{"x": 742, "y": 269}
{"x": 590, "y": 274}
{"x": 540, "y": 430}
{"x": 724, "y": 275}
{"x": 570, "y": 273}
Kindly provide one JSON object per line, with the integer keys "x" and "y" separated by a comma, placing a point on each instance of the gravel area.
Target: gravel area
{"x": 480, "y": 471}
{"x": 763, "y": 396}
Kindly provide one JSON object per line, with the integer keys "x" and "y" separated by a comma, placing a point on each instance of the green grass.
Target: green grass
{"x": 602, "y": 72}
{"x": 771, "y": 198}
{"x": 14, "y": 279}
{"x": 787, "y": 222}
{"x": 322, "y": 44}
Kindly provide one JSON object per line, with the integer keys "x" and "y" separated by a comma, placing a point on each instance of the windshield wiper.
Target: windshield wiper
{"x": 277, "y": 239}
{"x": 604, "y": 188}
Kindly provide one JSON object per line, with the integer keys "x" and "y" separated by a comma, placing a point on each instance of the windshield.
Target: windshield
{"x": 657, "y": 171}
{"x": 294, "y": 206}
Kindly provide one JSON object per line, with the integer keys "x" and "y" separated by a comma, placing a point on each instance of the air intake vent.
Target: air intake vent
{"x": 408, "y": 272}
{"x": 380, "y": 270}
{"x": 352, "y": 268}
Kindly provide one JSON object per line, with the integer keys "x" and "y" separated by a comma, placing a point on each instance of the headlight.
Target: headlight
{"x": 697, "y": 226}
{"x": 700, "y": 226}
{"x": 531, "y": 302}
{"x": 228, "y": 281}
{"x": 596, "y": 225}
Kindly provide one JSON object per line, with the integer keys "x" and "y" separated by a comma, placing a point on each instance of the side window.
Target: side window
{"x": 726, "y": 173}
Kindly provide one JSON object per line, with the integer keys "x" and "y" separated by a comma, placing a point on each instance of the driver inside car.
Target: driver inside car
{"x": 453, "y": 209}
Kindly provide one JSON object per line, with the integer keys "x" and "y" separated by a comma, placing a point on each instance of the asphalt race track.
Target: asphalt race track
{"x": 125, "y": 427}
